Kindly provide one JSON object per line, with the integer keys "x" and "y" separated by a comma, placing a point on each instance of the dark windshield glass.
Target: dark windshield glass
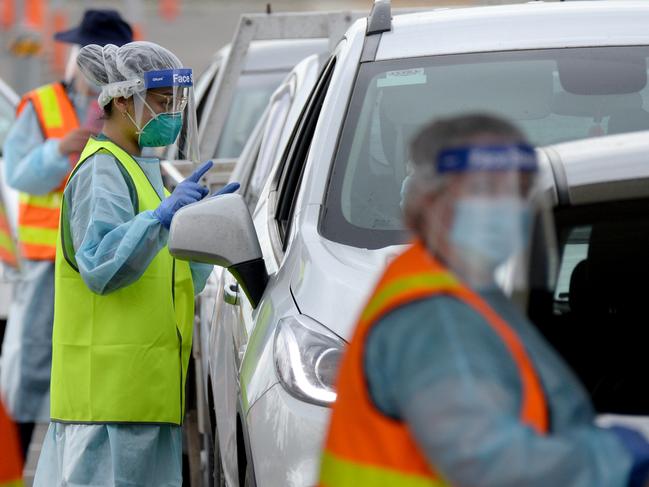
{"x": 595, "y": 315}
{"x": 250, "y": 99}
{"x": 553, "y": 95}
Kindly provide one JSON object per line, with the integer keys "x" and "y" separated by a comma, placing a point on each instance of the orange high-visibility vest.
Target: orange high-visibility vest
{"x": 38, "y": 215}
{"x": 11, "y": 465}
{"x": 366, "y": 448}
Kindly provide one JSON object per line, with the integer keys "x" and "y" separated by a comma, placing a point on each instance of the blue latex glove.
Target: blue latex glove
{"x": 638, "y": 447}
{"x": 187, "y": 192}
{"x": 228, "y": 188}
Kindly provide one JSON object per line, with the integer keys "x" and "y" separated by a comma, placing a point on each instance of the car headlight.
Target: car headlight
{"x": 307, "y": 356}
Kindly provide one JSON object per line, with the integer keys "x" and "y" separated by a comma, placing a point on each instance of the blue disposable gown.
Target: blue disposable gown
{"x": 113, "y": 247}
{"x": 438, "y": 366}
{"x": 32, "y": 165}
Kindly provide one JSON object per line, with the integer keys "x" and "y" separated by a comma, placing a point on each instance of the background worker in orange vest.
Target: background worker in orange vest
{"x": 52, "y": 128}
{"x": 11, "y": 462}
{"x": 445, "y": 381}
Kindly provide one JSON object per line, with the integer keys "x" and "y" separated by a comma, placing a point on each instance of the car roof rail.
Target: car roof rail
{"x": 380, "y": 18}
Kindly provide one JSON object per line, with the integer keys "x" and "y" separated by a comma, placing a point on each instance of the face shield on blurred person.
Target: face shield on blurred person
{"x": 146, "y": 85}
{"x": 99, "y": 27}
{"x": 476, "y": 204}
{"x": 83, "y": 94}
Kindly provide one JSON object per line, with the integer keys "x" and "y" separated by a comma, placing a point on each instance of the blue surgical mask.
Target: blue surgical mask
{"x": 161, "y": 130}
{"x": 489, "y": 230}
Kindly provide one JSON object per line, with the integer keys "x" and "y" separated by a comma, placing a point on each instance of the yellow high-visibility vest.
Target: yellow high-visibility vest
{"x": 121, "y": 357}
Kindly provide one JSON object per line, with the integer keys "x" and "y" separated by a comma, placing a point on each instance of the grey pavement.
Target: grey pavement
{"x": 34, "y": 452}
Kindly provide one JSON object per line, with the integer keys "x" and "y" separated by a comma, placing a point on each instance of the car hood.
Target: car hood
{"x": 331, "y": 282}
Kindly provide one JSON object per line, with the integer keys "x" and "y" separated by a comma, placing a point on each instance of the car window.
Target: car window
{"x": 297, "y": 152}
{"x": 269, "y": 142}
{"x": 251, "y": 97}
{"x": 554, "y": 95}
{"x": 596, "y": 316}
{"x": 7, "y": 114}
{"x": 575, "y": 250}
{"x": 249, "y": 195}
{"x": 203, "y": 89}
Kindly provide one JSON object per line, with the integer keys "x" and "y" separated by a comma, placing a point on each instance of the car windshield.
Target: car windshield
{"x": 554, "y": 95}
{"x": 251, "y": 97}
{"x": 594, "y": 317}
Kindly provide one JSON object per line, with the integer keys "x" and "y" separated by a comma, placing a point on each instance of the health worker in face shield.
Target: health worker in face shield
{"x": 52, "y": 127}
{"x": 445, "y": 381}
{"x": 124, "y": 308}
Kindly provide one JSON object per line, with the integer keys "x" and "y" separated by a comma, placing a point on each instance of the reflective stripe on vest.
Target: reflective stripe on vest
{"x": 12, "y": 483}
{"x": 121, "y": 357}
{"x": 365, "y": 447}
{"x": 38, "y": 213}
{"x": 7, "y": 246}
{"x": 11, "y": 465}
{"x": 336, "y": 472}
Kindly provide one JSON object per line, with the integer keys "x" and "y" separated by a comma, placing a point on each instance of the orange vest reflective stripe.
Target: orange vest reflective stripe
{"x": 11, "y": 465}
{"x": 38, "y": 215}
{"x": 7, "y": 246}
{"x": 366, "y": 448}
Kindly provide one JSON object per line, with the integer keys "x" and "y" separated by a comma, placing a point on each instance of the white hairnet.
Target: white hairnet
{"x": 119, "y": 71}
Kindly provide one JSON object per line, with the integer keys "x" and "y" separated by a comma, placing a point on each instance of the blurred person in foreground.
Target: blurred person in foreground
{"x": 124, "y": 307}
{"x": 11, "y": 462}
{"x": 445, "y": 381}
{"x": 52, "y": 127}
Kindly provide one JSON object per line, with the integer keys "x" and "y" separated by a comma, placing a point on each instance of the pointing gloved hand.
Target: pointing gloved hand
{"x": 187, "y": 192}
{"x": 228, "y": 188}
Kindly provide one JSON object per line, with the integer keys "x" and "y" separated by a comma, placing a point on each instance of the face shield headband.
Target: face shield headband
{"x": 163, "y": 128}
{"x": 487, "y": 158}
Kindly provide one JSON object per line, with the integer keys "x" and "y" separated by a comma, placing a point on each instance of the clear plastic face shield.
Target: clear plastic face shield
{"x": 165, "y": 115}
{"x": 489, "y": 215}
{"x": 71, "y": 66}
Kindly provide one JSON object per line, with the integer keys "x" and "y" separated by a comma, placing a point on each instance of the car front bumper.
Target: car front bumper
{"x": 286, "y": 437}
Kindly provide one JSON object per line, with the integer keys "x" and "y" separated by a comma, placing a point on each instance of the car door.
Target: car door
{"x": 234, "y": 318}
{"x": 227, "y": 338}
{"x": 258, "y": 324}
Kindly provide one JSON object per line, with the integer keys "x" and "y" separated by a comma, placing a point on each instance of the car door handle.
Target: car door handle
{"x": 231, "y": 294}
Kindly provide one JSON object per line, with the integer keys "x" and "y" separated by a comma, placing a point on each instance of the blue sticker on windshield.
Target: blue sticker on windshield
{"x": 519, "y": 157}
{"x": 168, "y": 77}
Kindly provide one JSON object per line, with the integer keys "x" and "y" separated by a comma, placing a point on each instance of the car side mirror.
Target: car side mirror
{"x": 219, "y": 230}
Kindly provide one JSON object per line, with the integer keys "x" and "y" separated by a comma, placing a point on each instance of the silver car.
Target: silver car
{"x": 219, "y": 348}
{"x": 328, "y": 219}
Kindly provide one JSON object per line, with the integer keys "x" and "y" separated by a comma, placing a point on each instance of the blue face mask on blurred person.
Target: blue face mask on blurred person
{"x": 490, "y": 229}
{"x": 161, "y": 130}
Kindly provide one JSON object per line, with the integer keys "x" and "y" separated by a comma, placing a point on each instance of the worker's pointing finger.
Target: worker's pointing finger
{"x": 198, "y": 174}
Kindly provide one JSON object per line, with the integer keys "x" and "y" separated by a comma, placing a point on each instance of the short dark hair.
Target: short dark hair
{"x": 108, "y": 110}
